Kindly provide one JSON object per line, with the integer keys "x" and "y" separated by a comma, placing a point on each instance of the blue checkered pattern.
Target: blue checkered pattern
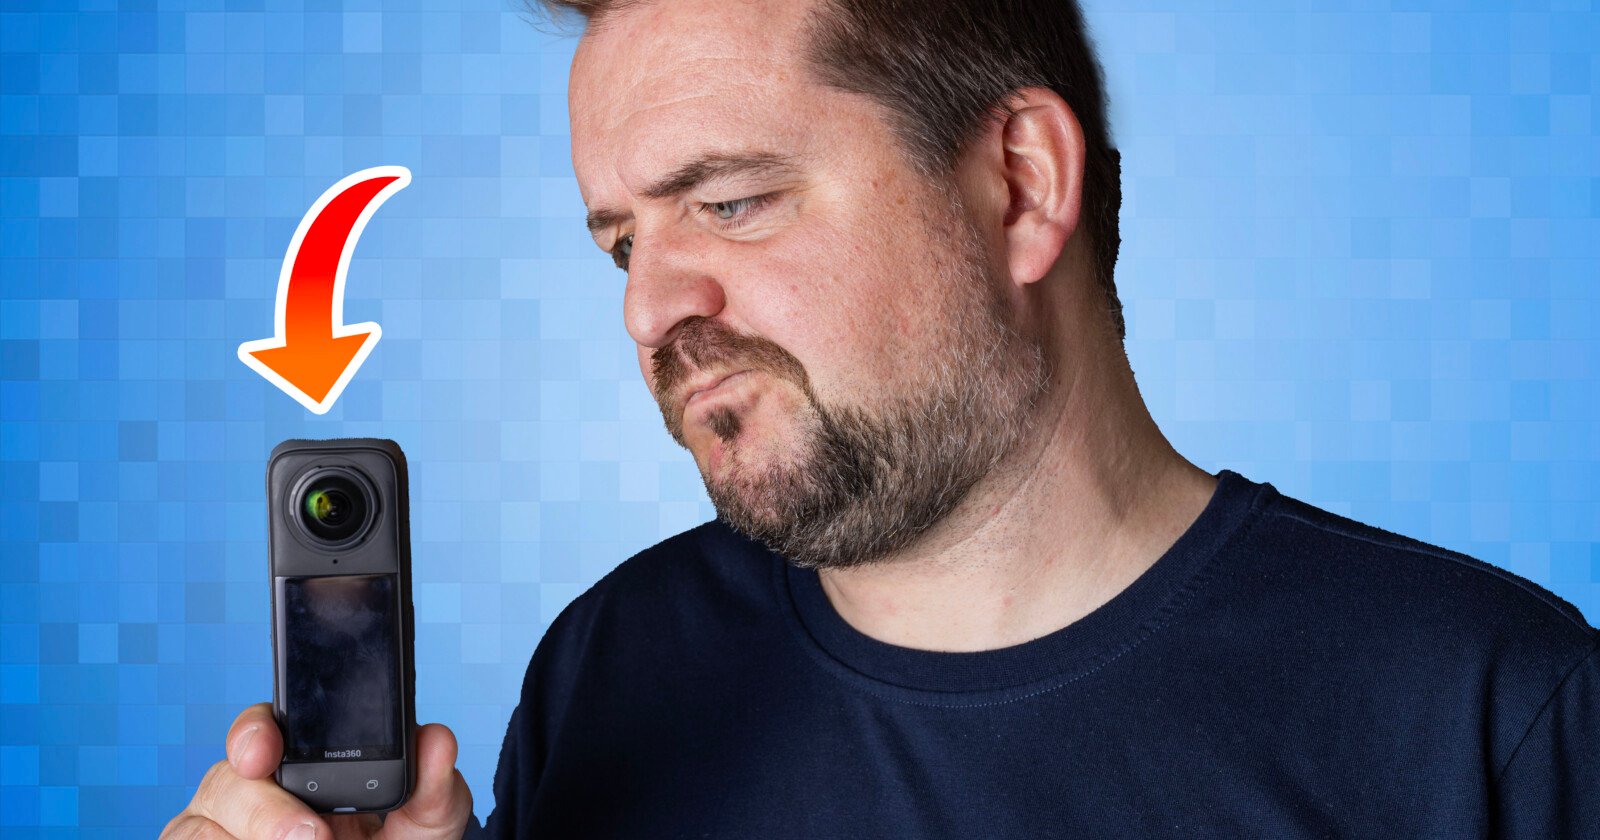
{"x": 1361, "y": 260}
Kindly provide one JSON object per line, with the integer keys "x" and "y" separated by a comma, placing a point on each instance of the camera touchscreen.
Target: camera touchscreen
{"x": 342, "y": 677}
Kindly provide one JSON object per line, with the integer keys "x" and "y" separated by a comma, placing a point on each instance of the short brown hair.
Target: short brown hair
{"x": 943, "y": 70}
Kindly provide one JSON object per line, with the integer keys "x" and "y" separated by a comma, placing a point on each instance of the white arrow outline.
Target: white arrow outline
{"x": 279, "y": 338}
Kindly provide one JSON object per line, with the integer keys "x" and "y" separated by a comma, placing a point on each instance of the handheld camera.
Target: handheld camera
{"x": 344, "y": 682}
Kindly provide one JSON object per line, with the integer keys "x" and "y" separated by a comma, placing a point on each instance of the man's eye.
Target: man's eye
{"x": 620, "y": 253}
{"x": 730, "y": 214}
{"x": 737, "y": 211}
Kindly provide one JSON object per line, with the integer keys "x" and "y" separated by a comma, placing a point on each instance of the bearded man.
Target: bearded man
{"x": 959, "y": 584}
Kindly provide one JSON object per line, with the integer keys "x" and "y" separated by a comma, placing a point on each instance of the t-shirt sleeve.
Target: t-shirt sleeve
{"x": 1550, "y": 789}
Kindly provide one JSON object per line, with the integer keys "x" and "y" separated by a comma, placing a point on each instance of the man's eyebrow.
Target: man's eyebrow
{"x": 697, "y": 171}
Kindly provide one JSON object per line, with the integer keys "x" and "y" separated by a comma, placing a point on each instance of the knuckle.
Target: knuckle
{"x": 264, "y": 818}
{"x": 188, "y": 826}
{"x": 174, "y": 829}
{"x": 211, "y": 781}
{"x": 250, "y": 807}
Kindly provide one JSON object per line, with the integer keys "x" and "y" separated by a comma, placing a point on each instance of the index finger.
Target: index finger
{"x": 255, "y": 744}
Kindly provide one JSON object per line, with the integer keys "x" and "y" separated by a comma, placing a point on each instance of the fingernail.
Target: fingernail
{"x": 243, "y": 741}
{"x": 304, "y": 831}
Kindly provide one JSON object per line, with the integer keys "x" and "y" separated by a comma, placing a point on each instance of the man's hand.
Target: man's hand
{"x": 239, "y": 798}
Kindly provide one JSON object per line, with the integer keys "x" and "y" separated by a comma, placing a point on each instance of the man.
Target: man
{"x": 959, "y": 584}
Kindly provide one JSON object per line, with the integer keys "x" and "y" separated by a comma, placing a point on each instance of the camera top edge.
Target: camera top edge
{"x": 385, "y": 446}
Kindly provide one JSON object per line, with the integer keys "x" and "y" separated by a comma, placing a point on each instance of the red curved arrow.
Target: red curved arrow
{"x": 313, "y": 354}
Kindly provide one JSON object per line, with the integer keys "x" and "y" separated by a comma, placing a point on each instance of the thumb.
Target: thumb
{"x": 441, "y": 804}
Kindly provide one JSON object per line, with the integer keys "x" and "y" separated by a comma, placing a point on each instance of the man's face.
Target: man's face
{"x": 771, "y": 227}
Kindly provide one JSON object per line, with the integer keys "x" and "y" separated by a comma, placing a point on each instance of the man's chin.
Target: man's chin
{"x": 751, "y": 492}
{"x": 746, "y": 510}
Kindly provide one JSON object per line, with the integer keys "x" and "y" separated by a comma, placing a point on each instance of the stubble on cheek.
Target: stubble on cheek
{"x": 766, "y": 451}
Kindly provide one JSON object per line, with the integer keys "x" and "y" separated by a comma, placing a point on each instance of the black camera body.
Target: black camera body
{"x": 344, "y": 678}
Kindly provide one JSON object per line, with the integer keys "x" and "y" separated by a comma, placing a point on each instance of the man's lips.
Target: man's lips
{"x": 703, "y": 389}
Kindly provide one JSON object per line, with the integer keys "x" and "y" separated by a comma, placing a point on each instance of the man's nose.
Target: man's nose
{"x": 671, "y": 277}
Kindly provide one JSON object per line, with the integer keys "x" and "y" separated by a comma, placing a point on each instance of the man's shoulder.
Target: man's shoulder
{"x": 1419, "y": 587}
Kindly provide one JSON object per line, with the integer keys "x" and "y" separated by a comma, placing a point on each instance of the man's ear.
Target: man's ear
{"x": 1044, "y": 156}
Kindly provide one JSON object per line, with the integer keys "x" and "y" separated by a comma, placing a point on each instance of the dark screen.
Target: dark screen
{"x": 341, "y": 693}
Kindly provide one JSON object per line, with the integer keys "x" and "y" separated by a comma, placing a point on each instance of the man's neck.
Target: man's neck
{"x": 1068, "y": 521}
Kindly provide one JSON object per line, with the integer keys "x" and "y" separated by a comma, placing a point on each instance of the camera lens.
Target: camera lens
{"x": 334, "y": 508}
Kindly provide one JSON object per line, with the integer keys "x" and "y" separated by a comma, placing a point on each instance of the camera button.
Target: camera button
{"x": 372, "y": 784}
{"x": 311, "y": 786}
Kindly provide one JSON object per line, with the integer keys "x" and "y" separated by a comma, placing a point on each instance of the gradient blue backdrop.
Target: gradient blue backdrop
{"x": 1361, "y": 260}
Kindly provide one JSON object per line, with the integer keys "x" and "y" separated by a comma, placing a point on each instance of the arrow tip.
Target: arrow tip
{"x": 313, "y": 372}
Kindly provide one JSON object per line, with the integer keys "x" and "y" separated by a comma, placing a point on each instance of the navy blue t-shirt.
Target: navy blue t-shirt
{"x": 1281, "y": 671}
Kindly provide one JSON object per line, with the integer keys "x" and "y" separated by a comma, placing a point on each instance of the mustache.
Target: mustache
{"x": 703, "y": 344}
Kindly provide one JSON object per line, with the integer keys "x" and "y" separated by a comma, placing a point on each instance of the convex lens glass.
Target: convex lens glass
{"x": 334, "y": 508}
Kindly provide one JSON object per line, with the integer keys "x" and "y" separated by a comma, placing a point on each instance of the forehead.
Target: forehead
{"x": 660, "y": 82}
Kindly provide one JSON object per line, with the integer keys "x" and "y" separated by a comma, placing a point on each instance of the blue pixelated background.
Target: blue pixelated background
{"x": 1361, "y": 261}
